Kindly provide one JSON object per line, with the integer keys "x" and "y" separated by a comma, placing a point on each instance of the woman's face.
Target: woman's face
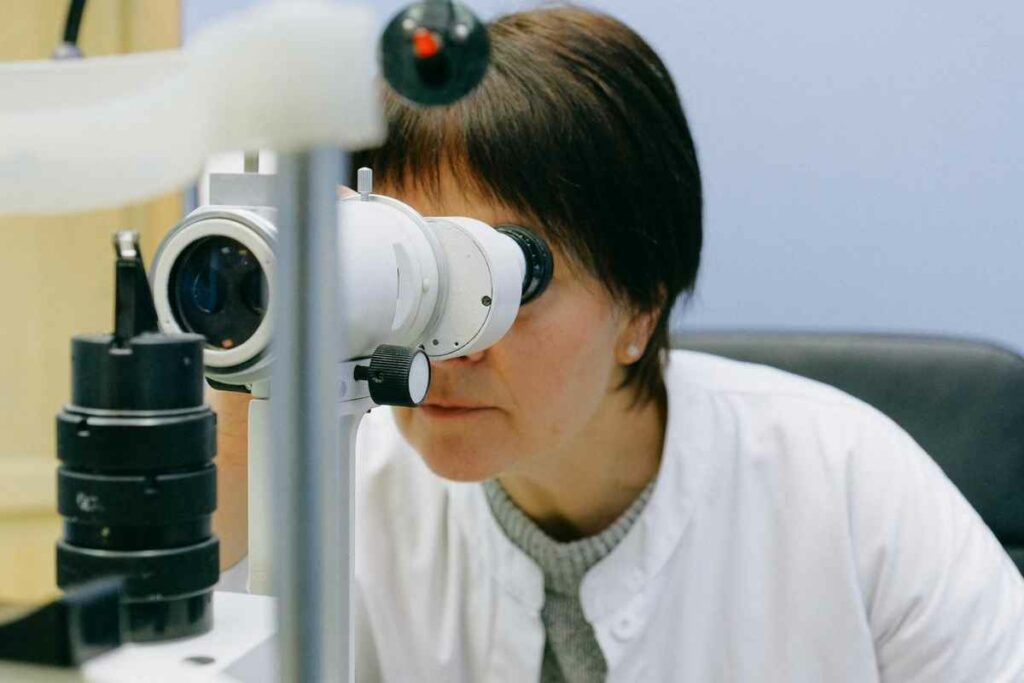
{"x": 535, "y": 392}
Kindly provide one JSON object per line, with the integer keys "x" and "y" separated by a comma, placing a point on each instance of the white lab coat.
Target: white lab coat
{"x": 794, "y": 534}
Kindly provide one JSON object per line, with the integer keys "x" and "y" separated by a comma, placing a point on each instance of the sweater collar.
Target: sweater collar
{"x": 563, "y": 563}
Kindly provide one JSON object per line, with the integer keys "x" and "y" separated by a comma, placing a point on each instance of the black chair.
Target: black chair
{"x": 961, "y": 400}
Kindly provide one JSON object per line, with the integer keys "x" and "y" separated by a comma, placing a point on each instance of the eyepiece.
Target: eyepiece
{"x": 539, "y": 263}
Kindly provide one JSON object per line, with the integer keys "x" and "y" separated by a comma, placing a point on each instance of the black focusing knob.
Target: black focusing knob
{"x": 434, "y": 52}
{"x": 539, "y": 264}
{"x": 397, "y": 376}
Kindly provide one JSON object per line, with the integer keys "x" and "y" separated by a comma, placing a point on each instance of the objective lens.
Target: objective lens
{"x": 208, "y": 291}
{"x": 254, "y": 292}
{"x": 218, "y": 289}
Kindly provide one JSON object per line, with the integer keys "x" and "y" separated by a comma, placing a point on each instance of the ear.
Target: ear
{"x": 635, "y": 335}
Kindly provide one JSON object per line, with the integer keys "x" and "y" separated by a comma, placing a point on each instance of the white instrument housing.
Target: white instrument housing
{"x": 450, "y": 286}
{"x": 254, "y": 228}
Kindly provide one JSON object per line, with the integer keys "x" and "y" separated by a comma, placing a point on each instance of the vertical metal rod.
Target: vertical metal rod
{"x": 309, "y": 496}
{"x": 343, "y": 639}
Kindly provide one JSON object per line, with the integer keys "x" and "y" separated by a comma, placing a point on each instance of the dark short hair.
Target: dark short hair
{"x": 577, "y": 126}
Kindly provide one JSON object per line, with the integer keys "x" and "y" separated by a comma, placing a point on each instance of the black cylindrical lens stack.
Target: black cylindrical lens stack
{"x": 137, "y": 486}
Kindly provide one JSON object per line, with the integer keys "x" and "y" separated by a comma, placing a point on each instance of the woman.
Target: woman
{"x": 576, "y": 503}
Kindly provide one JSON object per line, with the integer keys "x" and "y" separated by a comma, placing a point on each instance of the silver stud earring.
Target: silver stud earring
{"x": 633, "y": 351}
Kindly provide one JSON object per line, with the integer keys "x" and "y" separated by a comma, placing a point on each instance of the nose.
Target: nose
{"x": 448, "y": 366}
{"x": 469, "y": 359}
{"x": 444, "y": 373}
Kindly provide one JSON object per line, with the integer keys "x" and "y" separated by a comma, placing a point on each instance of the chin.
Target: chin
{"x": 463, "y": 455}
{"x": 459, "y": 467}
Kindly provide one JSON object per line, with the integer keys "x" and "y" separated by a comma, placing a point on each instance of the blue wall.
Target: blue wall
{"x": 864, "y": 162}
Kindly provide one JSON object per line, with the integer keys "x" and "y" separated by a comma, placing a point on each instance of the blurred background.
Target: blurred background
{"x": 863, "y": 162}
{"x": 56, "y": 280}
{"x": 863, "y": 167}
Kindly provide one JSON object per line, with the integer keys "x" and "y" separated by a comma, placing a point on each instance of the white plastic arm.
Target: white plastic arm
{"x": 77, "y": 135}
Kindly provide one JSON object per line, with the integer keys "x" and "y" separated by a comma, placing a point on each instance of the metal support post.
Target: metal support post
{"x": 311, "y": 488}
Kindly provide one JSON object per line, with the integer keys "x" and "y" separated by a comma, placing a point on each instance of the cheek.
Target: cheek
{"x": 548, "y": 376}
{"x": 557, "y": 364}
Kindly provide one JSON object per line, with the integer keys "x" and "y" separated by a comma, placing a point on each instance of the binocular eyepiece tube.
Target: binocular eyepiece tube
{"x": 459, "y": 287}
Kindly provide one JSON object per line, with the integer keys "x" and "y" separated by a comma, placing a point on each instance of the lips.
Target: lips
{"x": 450, "y": 410}
{"x": 451, "y": 405}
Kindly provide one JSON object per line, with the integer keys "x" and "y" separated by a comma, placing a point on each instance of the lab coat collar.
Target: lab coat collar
{"x": 516, "y": 574}
{"x": 684, "y": 479}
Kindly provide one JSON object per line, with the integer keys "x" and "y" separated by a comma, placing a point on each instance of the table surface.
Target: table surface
{"x": 239, "y": 648}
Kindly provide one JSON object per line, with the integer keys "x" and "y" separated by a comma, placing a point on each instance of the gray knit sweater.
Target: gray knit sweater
{"x": 571, "y": 651}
